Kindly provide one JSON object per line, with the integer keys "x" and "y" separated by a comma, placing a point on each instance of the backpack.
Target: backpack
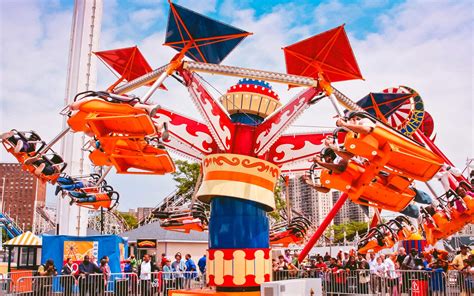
{"x": 128, "y": 268}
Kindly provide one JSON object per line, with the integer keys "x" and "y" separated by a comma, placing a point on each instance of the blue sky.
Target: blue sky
{"x": 414, "y": 43}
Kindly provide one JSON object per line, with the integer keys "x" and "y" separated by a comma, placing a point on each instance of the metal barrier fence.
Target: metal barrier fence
{"x": 341, "y": 282}
{"x": 5, "y": 284}
{"x": 398, "y": 282}
{"x": 151, "y": 284}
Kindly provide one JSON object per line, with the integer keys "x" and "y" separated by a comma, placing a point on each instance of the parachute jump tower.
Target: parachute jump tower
{"x": 81, "y": 76}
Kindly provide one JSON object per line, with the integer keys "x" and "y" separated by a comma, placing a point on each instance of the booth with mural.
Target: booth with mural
{"x": 61, "y": 247}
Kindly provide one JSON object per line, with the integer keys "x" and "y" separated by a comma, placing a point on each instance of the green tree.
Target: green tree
{"x": 280, "y": 204}
{"x": 186, "y": 176}
{"x": 351, "y": 228}
{"x": 131, "y": 220}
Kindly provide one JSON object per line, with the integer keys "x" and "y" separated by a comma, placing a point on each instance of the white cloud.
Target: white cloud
{"x": 199, "y": 5}
{"x": 145, "y": 18}
{"x": 432, "y": 54}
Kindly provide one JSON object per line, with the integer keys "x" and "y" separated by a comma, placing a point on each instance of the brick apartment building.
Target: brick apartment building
{"x": 20, "y": 192}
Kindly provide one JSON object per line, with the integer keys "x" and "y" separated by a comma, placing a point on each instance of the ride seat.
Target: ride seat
{"x": 129, "y": 125}
{"x": 102, "y": 118}
{"x": 342, "y": 181}
{"x": 159, "y": 163}
{"x": 100, "y": 158}
{"x": 385, "y": 197}
{"x": 405, "y": 155}
{"x": 184, "y": 224}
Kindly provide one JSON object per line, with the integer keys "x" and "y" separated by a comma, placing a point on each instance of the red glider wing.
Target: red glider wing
{"x": 128, "y": 62}
{"x": 328, "y": 54}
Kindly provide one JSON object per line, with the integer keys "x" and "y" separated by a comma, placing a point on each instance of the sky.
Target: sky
{"x": 427, "y": 45}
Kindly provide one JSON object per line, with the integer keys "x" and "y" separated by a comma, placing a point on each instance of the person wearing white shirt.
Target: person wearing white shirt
{"x": 373, "y": 270}
{"x": 372, "y": 262}
{"x": 146, "y": 269}
{"x": 390, "y": 273}
{"x": 379, "y": 274}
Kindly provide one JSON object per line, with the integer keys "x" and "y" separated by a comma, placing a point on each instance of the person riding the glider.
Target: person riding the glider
{"x": 330, "y": 161}
{"x": 84, "y": 197}
{"x": 356, "y": 123}
{"x": 445, "y": 173}
{"x": 112, "y": 98}
{"x": 68, "y": 183}
{"x": 338, "y": 164}
{"x": 45, "y": 167}
{"x": 20, "y": 144}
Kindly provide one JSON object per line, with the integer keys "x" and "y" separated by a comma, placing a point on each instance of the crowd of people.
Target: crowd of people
{"x": 176, "y": 274}
{"x": 393, "y": 273}
{"x": 145, "y": 277}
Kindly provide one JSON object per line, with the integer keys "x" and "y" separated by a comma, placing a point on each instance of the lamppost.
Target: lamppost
{"x": 1, "y": 210}
{"x": 3, "y": 193}
{"x": 356, "y": 239}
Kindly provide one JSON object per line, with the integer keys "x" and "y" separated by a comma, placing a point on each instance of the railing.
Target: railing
{"x": 340, "y": 282}
{"x": 398, "y": 282}
{"x": 151, "y": 284}
{"x": 5, "y": 286}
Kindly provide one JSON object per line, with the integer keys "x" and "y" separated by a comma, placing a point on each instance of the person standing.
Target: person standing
{"x": 459, "y": 264}
{"x": 67, "y": 277}
{"x": 327, "y": 257}
{"x": 102, "y": 285}
{"x": 458, "y": 261}
{"x": 363, "y": 276}
{"x": 133, "y": 263}
{"x": 372, "y": 261}
{"x": 202, "y": 265}
{"x": 167, "y": 277}
{"x": 379, "y": 273}
{"x": 202, "y": 268}
{"x": 287, "y": 256}
{"x": 191, "y": 273}
{"x": 349, "y": 281}
{"x": 46, "y": 271}
{"x": 402, "y": 253}
{"x": 87, "y": 281}
{"x": 163, "y": 261}
{"x": 145, "y": 271}
{"x": 179, "y": 267}
{"x": 320, "y": 267}
{"x": 391, "y": 275}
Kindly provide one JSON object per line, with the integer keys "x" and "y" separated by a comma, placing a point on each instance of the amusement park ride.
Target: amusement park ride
{"x": 385, "y": 139}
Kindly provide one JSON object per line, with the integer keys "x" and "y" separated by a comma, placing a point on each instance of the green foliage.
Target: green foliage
{"x": 186, "y": 176}
{"x": 4, "y": 237}
{"x": 280, "y": 204}
{"x": 351, "y": 228}
{"x": 131, "y": 220}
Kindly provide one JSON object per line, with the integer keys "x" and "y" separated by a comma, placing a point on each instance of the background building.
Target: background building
{"x": 309, "y": 202}
{"x": 21, "y": 194}
{"x": 316, "y": 206}
{"x": 143, "y": 212}
{"x": 168, "y": 242}
{"x": 350, "y": 212}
